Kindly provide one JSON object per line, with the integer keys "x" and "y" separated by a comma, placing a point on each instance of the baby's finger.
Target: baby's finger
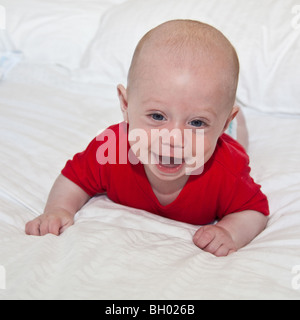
{"x": 213, "y": 246}
{"x": 197, "y": 236}
{"x": 54, "y": 226}
{"x": 66, "y": 226}
{"x": 203, "y": 238}
{"x": 44, "y": 227}
{"x": 223, "y": 251}
{"x": 32, "y": 228}
{"x": 231, "y": 251}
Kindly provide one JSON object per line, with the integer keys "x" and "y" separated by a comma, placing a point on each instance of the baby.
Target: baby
{"x": 182, "y": 80}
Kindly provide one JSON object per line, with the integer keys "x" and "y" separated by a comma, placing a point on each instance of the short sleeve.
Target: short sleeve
{"x": 244, "y": 194}
{"x": 85, "y": 171}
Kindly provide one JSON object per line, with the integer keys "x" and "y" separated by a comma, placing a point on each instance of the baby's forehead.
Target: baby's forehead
{"x": 185, "y": 41}
{"x": 186, "y": 44}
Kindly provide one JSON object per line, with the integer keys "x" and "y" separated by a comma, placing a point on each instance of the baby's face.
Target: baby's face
{"x": 189, "y": 104}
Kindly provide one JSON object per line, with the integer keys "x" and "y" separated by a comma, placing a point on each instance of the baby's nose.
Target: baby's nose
{"x": 176, "y": 135}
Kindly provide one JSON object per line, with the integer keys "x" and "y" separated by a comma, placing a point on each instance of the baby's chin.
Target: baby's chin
{"x": 166, "y": 174}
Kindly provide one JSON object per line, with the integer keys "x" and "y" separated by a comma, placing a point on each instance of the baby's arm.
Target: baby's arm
{"x": 65, "y": 199}
{"x": 233, "y": 232}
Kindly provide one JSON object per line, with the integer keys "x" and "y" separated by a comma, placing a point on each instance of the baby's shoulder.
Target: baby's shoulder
{"x": 231, "y": 156}
{"x": 113, "y": 136}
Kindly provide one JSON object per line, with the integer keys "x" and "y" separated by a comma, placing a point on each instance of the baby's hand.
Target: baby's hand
{"x": 215, "y": 240}
{"x": 54, "y": 223}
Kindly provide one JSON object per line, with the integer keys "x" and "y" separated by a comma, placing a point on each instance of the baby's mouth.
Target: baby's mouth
{"x": 169, "y": 165}
{"x": 170, "y": 162}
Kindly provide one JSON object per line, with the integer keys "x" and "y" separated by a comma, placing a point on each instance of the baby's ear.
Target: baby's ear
{"x": 235, "y": 111}
{"x": 122, "y": 94}
{"x": 233, "y": 114}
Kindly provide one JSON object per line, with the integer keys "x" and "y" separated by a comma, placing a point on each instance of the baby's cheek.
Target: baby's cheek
{"x": 140, "y": 144}
{"x": 209, "y": 148}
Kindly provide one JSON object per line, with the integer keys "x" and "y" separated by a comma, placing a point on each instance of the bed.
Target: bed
{"x": 62, "y": 92}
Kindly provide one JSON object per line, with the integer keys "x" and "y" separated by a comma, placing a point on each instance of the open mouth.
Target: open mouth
{"x": 170, "y": 161}
{"x": 169, "y": 164}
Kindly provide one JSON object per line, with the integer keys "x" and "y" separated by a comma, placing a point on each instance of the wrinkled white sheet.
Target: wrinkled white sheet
{"x": 114, "y": 252}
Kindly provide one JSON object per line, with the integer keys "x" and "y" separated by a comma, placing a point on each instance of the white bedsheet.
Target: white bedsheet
{"x": 114, "y": 252}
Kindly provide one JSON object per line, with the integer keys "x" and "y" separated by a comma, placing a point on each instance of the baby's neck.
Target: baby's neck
{"x": 166, "y": 199}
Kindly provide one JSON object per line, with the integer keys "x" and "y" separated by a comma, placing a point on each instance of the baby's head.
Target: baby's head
{"x": 183, "y": 75}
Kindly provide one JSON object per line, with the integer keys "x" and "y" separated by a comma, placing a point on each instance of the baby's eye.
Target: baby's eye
{"x": 197, "y": 123}
{"x": 157, "y": 117}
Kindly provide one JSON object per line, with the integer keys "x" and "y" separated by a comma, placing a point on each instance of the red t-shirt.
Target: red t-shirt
{"x": 224, "y": 187}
